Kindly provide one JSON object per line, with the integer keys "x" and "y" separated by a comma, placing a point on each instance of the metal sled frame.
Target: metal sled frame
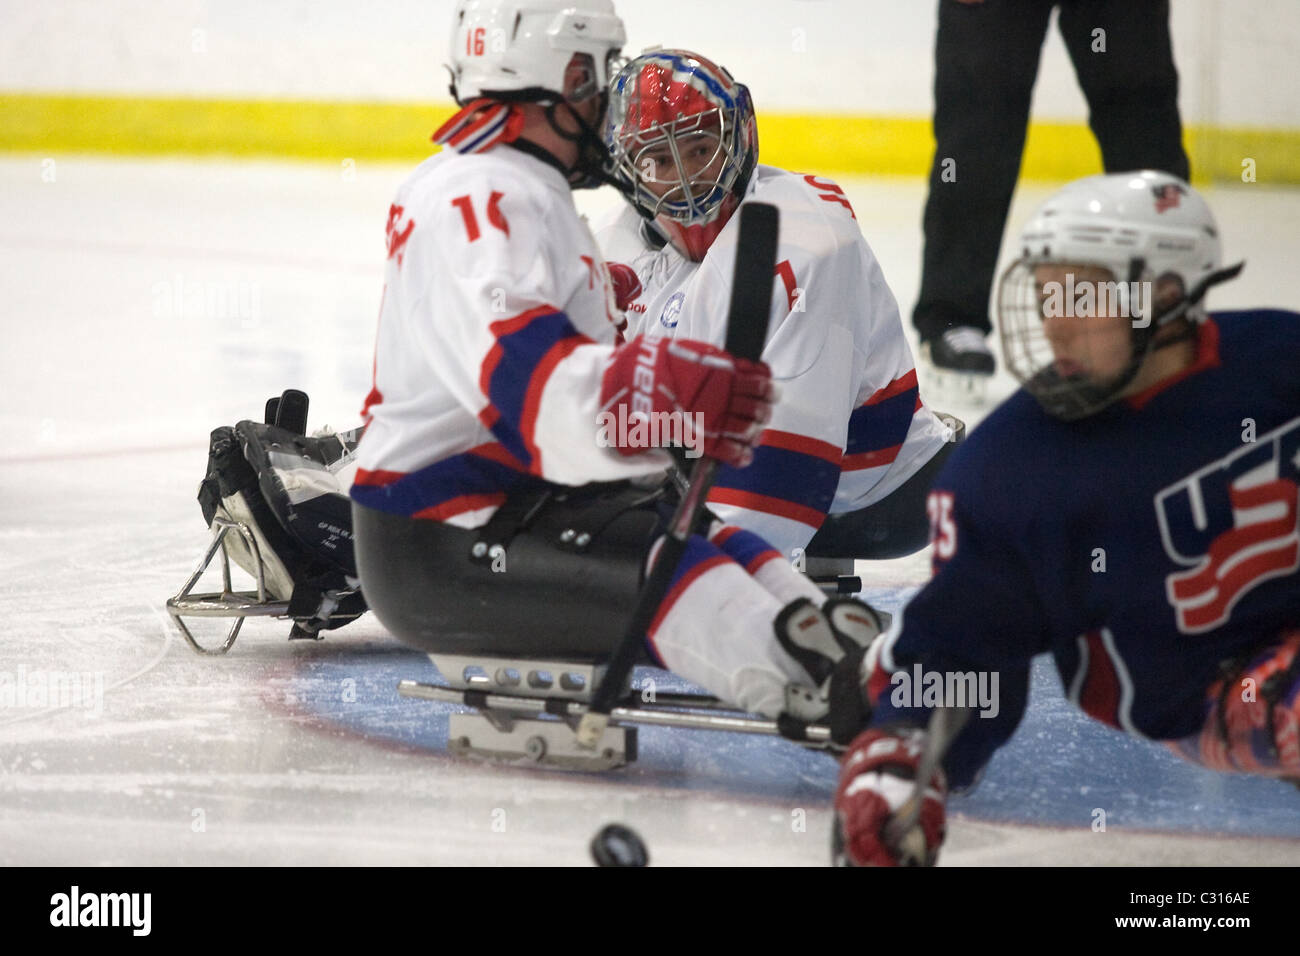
{"x": 227, "y": 602}
{"x": 238, "y": 604}
{"x": 527, "y": 711}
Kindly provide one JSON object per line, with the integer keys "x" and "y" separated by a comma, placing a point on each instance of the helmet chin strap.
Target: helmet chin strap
{"x": 451, "y": 84}
{"x": 1179, "y": 308}
{"x": 1150, "y": 342}
{"x": 591, "y": 168}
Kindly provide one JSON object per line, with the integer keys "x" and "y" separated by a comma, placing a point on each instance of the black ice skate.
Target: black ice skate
{"x": 960, "y": 363}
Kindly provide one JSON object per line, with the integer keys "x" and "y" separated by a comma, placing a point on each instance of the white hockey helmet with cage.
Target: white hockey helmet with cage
{"x": 520, "y": 49}
{"x": 1150, "y": 230}
{"x": 685, "y": 142}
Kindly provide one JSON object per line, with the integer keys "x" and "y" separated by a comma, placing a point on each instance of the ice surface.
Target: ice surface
{"x": 145, "y": 303}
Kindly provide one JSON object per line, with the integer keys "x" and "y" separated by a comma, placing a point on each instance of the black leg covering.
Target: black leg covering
{"x": 986, "y": 60}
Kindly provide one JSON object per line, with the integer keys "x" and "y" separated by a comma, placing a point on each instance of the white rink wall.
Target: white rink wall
{"x": 1236, "y": 57}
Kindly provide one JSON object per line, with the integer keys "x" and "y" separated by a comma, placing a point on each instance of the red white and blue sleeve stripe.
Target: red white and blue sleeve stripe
{"x": 514, "y": 374}
{"x": 878, "y": 427}
{"x": 476, "y": 479}
{"x": 792, "y": 476}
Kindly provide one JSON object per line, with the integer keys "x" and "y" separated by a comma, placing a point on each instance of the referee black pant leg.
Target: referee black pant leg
{"x": 1128, "y": 75}
{"x": 986, "y": 61}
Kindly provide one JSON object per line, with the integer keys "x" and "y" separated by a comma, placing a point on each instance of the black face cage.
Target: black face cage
{"x": 1029, "y": 357}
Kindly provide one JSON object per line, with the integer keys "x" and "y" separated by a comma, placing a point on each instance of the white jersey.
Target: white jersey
{"x": 496, "y": 325}
{"x": 850, "y": 427}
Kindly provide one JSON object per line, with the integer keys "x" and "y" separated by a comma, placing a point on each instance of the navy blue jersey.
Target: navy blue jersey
{"x": 1143, "y": 546}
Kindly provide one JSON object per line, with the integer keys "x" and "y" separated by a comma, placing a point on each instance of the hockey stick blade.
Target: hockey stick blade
{"x": 747, "y": 319}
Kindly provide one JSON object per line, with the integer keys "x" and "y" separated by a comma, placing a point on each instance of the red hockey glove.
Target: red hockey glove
{"x": 689, "y": 393}
{"x": 876, "y": 778}
{"x": 625, "y": 282}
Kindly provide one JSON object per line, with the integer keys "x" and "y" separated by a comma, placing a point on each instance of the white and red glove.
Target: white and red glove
{"x": 627, "y": 287}
{"x": 877, "y": 777}
{"x": 722, "y": 401}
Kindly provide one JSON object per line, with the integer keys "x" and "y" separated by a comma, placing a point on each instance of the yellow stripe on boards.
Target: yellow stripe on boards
{"x": 860, "y": 145}
{"x": 333, "y": 131}
{"x": 149, "y": 126}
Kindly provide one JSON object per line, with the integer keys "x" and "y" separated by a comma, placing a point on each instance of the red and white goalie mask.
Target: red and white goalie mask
{"x": 683, "y": 135}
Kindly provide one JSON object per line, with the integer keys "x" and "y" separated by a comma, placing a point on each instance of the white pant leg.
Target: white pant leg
{"x": 715, "y": 629}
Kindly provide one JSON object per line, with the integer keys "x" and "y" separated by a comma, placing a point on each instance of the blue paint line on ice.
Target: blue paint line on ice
{"x": 1058, "y": 771}
{"x": 737, "y": 765}
{"x": 1061, "y": 768}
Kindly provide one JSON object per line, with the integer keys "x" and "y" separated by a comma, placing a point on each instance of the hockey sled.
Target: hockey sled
{"x": 227, "y": 602}
{"x": 230, "y": 535}
{"x": 527, "y": 712}
{"x": 276, "y": 507}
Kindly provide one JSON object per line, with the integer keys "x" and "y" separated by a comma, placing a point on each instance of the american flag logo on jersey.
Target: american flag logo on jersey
{"x": 1233, "y": 525}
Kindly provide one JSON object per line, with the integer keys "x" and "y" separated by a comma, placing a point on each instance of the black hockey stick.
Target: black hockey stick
{"x": 751, "y": 301}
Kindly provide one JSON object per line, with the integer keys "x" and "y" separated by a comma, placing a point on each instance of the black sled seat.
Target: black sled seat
{"x": 554, "y": 576}
{"x": 519, "y": 616}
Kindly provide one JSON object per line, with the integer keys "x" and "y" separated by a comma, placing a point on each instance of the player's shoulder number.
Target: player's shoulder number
{"x": 495, "y": 218}
{"x": 943, "y": 528}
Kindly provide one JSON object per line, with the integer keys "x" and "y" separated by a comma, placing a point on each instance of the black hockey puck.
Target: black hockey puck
{"x": 617, "y": 845}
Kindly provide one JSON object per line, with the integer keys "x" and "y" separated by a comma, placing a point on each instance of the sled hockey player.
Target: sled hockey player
{"x": 851, "y": 451}
{"x": 490, "y": 517}
{"x": 1132, "y": 510}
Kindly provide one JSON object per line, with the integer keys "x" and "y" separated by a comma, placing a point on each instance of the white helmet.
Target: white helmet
{"x": 1150, "y": 230}
{"x": 520, "y": 49}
